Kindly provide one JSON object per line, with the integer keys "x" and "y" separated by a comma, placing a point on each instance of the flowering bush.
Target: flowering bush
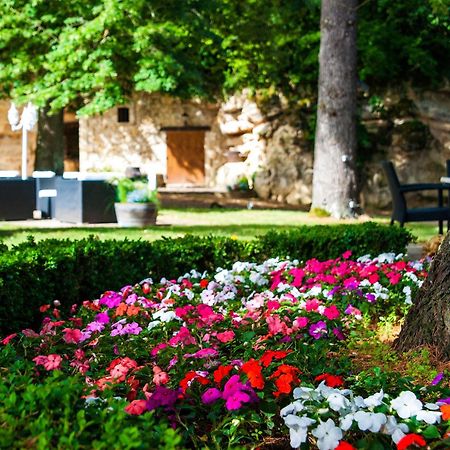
{"x": 220, "y": 355}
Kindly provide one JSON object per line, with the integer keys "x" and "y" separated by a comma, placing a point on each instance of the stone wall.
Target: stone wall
{"x": 11, "y": 143}
{"x": 108, "y": 145}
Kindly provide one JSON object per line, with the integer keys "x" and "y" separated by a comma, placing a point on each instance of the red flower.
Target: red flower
{"x": 330, "y": 380}
{"x": 344, "y": 446}
{"x": 221, "y": 372}
{"x": 268, "y": 356}
{"x": 411, "y": 439}
{"x": 287, "y": 375}
{"x": 190, "y": 377}
{"x": 204, "y": 283}
{"x": 253, "y": 371}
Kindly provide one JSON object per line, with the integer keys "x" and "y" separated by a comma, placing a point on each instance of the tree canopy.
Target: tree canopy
{"x": 92, "y": 55}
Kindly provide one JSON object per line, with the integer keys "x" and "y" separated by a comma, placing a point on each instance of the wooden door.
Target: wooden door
{"x": 185, "y": 157}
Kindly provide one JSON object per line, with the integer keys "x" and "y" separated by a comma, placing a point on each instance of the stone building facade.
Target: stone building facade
{"x": 270, "y": 146}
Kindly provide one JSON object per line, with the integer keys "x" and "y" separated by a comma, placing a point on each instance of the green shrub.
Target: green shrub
{"x": 33, "y": 274}
{"x": 51, "y": 414}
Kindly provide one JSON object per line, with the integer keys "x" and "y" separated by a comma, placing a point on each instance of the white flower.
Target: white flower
{"x": 406, "y": 404}
{"x": 374, "y": 400}
{"x": 432, "y": 406}
{"x": 370, "y": 421}
{"x": 407, "y": 292}
{"x": 346, "y": 422}
{"x": 298, "y": 428}
{"x": 328, "y": 435}
{"x": 306, "y": 393}
{"x": 430, "y": 417}
{"x": 292, "y": 408}
{"x": 164, "y": 315}
{"x": 395, "y": 430}
{"x": 337, "y": 401}
{"x": 359, "y": 402}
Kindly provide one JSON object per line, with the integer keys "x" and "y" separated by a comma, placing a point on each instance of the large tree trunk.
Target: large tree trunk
{"x": 50, "y": 142}
{"x": 334, "y": 178}
{"x": 428, "y": 321}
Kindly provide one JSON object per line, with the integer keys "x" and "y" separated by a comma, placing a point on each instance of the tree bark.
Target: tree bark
{"x": 50, "y": 142}
{"x": 428, "y": 321}
{"x": 334, "y": 177}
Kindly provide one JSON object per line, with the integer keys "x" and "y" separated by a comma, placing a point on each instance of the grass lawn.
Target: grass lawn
{"x": 242, "y": 223}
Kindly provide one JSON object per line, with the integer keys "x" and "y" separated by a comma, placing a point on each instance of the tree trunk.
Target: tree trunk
{"x": 50, "y": 142}
{"x": 334, "y": 177}
{"x": 428, "y": 321}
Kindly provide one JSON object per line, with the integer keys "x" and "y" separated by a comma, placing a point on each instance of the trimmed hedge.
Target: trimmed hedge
{"x": 33, "y": 274}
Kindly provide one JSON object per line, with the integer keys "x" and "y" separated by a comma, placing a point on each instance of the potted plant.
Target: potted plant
{"x": 137, "y": 204}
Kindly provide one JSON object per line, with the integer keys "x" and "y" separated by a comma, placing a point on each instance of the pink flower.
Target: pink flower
{"x": 7, "y": 339}
{"x": 184, "y": 336}
{"x": 276, "y": 325}
{"x": 211, "y": 395}
{"x": 300, "y": 322}
{"x": 331, "y": 312}
{"x": 159, "y": 376}
{"x": 312, "y": 305}
{"x": 347, "y": 254}
{"x": 226, "y": 336}
{"x": 72, "y": 335}
{"x": 50, "y": 362}
{"x": 203, "y": 353}
{"x": 136, "y": 407}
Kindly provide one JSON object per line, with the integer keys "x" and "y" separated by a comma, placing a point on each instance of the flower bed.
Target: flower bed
{"x": 232, "y": 357}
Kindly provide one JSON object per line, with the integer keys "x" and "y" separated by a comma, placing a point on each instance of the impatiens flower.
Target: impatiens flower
{"x": 368, "y": 421}
{"x": 345, "y": 446}
{"x": 317, "y": 330}
{"x": 328, "y": 435}
{"x": 72, "y": 335}
{"x": 409, "y": 440}
{"x": 437, "y": 379}
{"x": 331, "y": 312}
{"x": 285, "y": 376}
{"x": 7, "y": 339}
{"x": 203, "y": 353}
{"x": 300, "y": 322}
{"x": 338, "y": 402}
{"x": 160, "y": 377}
{"x": 298, "y": 429}
{"x": 330, "y": 380}
{"x": 226, "y": 336}
{"x": 254, "y": 373}
{"x": 374, "y": 400}
{"x": 406, "y": 404}
{"x": 164, "y": 397}
{"x": 50, "y": 362}
{"x": 136, "y": 407}
{"x": 269, "y": 355}
{"x": 445, "y": 410}
{"x": 211, "y": 395}
{"x": 236, "y": 394}
{"x": 396, "y": 430}
{"x": 429, "y": 417}
{"x": 221, "y": 372}
{"x": 190, "y": 377}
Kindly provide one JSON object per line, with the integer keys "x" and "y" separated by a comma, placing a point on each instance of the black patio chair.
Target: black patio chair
{"x": 400, "y": 210}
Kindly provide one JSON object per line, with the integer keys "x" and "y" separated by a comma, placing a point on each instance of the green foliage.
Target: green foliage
{"x": 51, "y": 413}
{"x": 135, "y": 191}
{"x": 91, "y": 56}
{"x": 33, "y": 274}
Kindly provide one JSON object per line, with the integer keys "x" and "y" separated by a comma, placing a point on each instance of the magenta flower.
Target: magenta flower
{"x": 211, "y": 395}
{"x": 437, "y": 379}
{"x": 317, "y": 330}
{"x": 236, "y": 394}
{"x": 131, "y": 328}
{"x": 331, "y": 312}
{"x": 111, "y": 299}
{"x": 102, "y": 317}
{"x": 203, "y": 353}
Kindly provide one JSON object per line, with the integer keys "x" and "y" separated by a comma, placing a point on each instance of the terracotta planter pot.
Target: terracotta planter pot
{"x": 135, "y": 214}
